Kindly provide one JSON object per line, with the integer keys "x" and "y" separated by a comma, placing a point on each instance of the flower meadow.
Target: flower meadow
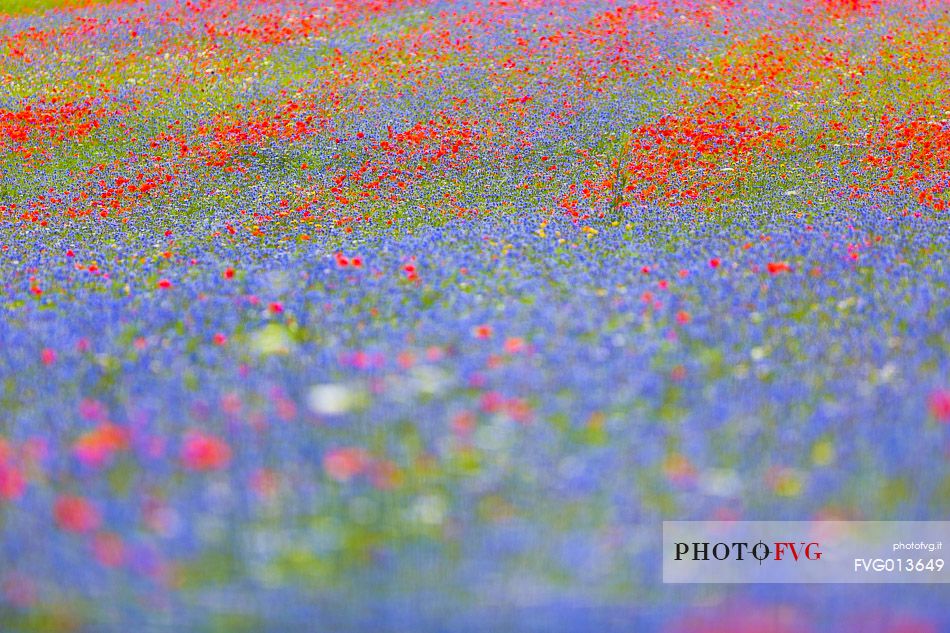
{"x": 408, "y": 315}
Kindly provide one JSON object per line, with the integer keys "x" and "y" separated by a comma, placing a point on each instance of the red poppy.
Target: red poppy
{"x": 97, "y": 446}
{"x": 75, "y": 514}
{"x": 12, "y": 482}
{"x": 204, "y": 452}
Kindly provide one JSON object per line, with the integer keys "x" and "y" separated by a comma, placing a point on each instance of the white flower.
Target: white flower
{"x": 334, "y": 399}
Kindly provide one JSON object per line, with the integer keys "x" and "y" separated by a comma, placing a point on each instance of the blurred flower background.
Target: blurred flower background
{"x": 405, "y": 315}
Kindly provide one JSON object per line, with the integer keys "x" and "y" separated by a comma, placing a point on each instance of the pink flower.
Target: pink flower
{"x": 491, "y": 402}
{"x": 18, "y": 590}
{"x": 514, "y": 345}
{"x": 48, "y": 356}
{"x": 203, "y": 452}
{"x": 343, "y": 464}
{"x": 265, "y": 482}
{"x": 742, "y": 619}
{"x": 940, "y": 405}
{"x": 91, "y": 409}
{"x": 97, "y": 446}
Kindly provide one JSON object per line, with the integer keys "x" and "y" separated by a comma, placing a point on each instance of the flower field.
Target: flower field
{"x": 408, "y": 315}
